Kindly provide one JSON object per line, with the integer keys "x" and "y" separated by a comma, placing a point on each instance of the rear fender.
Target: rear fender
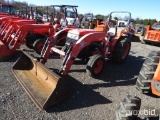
{"x": 7, "y": 32}
{"x": 115, "y": 40}
{"x": 52, "y": 41}
{"x": 157, "y": 73}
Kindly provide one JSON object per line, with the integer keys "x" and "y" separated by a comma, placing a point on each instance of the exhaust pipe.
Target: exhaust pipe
{"x": 44, "y": 87}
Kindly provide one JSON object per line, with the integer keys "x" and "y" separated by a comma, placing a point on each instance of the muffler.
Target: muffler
{"x": 44, "y": 87}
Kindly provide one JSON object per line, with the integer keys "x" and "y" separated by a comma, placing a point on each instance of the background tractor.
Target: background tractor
{"x": 151, "y": 34}
{"x": 25, "y": 31}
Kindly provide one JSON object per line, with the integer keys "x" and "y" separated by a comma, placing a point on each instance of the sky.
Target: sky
{"x": 143, "y": 9}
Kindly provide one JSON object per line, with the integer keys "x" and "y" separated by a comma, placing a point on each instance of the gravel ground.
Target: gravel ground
{"x": 90, "y": 99}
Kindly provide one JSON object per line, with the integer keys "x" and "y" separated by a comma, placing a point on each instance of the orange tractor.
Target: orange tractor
{"x": 16, "y": 28}
{"x": 151, "y": 34}
{"x": 149, "y": 77}
{"x": 48, "y": 88}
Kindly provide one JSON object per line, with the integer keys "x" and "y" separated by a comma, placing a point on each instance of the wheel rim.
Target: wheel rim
{"x": 40, "y": 46}
{"x": 125, "y": 51}
{"x": 98, "y": 67}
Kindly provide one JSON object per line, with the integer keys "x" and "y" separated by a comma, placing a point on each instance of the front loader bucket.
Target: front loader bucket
{"x": 45, "y": 88}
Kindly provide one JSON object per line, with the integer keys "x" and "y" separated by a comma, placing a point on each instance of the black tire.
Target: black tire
{"x": 31, "y": 38}
{"x": 147, "y": 72}
{"x": 118, "y": 50}
{"x": 92, "y": 63}
{"x": 128, "y": 109}
{"x": 38, "y": 45}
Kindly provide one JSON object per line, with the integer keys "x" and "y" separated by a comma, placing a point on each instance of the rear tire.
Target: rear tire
{"x": 128, "y": 109}
{"x": 147, "y": 72}
{"x": 38, "y": 45}
{"x": 31, "y": 38}
{"x": 121, "y": 50}
{"x": 95, "y": 65}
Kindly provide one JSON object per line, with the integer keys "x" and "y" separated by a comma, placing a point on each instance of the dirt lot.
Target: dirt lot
{"x": 90, "y": 99}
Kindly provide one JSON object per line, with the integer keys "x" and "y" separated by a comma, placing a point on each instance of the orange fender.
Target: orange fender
{"x": 156, "y": 78}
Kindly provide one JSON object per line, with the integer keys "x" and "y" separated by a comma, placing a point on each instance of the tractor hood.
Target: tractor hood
{"x": 82, "y": 32}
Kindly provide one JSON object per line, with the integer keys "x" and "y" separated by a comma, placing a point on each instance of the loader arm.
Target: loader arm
{"x": 75, "y": 49}
{"x": 78, "y": 46}
{"x": 9, "y": 31}
{"x": 16, "y": 25}
{"x": 6, "y": 21}
{"x": 19, "y": 37}
{"x": 16, "y": 35}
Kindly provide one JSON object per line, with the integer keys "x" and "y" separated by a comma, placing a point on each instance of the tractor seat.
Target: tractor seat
{"x": 112, "y": 31}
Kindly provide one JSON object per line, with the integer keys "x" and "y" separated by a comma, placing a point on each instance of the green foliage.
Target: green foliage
{"x": 115, "y": 18}
{"x": 99, "y": 16}
{"x": 145, "y": 21}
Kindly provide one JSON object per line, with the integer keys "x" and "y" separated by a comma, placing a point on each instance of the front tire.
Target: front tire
{"x": 121, "y": 50}
{"x": 38, "y": 45}
{"x": 95, "y": 65}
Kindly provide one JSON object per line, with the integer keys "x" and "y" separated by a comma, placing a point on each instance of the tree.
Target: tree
{"x": 115, "y": 18}
{"x": 138, "y": 21}
{"x": 99, "y": 16}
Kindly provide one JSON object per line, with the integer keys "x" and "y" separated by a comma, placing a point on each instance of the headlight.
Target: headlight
{"x": 73, "y": 36}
